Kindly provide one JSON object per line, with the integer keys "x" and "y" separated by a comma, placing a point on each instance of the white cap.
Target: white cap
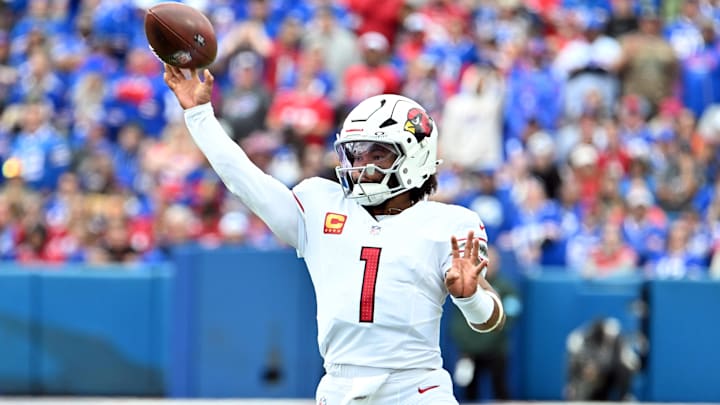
{"x": 583, "y": 155}
{"x": 233, "y": 223}
{"x": 540, "y": 143}
{"x": 639, "y": 196}
{"x": 375, "y": 41}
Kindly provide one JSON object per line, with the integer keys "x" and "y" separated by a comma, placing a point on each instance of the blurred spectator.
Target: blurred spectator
{"x": 421, "y": 84}
{"x": 541, "y": 153}
{"x": 587, "y": 129}
{"x": 311, "y": 63}
{"x": 136, "y": 95}
{"x": 42, "y": 151}
{"x": 71, "y": 47}
{"x": 589, "y": 61}
{"x": 233, "y": 226}
{"x": 452, "y": 54}
{"x": 534, "y": 95}
{"x": 8, "y": 73}
{"x": 537, "y": 234}
{"x": 505, "y": 22}
{"x": 650, "y": 66}
{"x": 284, "y": 54}
{"x": 126, "y": 156}
{"x": 684, "y": 31}
{"x": 337, "y": 44}
{"x": 571, "y": 212}
{"x": 8, "y": 231}
{"x": 87, "y": 100}
{"x": 412, "y": 41}
{"x": 28, "y": 35}
{"x": 64, "y": 203}
{"x": 644, "y": 226}
{"x": 679, "y": 179}
{"x": 584, "y": 240}
{"x": 611, "y": 199}
{"x": 699, "y": 237}
{"x": 170, "y": 160}
{"x": 700, "y": 70}
{"x": 303, "y": 114}
{"x": 32, "y": 248}
{"x": 373, "y": 76}
{"x": 381, "y": 16}
{"x": 633, "y": 112}
{"x": 622, "y": 19}
{"x": 611, "y": 256}
{"x": 98, "y": 174}
{"x": 614, "y": 159}
{"x": 583, "y": 164}
{"x": 472, "y": 121}
{"x": 315, "y": 160}
{"x": 246, "y": 100}
{"x": 250, "y": 33}
{"x": 175, "y": 227}
{"x": 491, "y": 201}
{"x": 640, "y": 169}
{"x": 676, "y": 260}
{"x": 116, "y": 242}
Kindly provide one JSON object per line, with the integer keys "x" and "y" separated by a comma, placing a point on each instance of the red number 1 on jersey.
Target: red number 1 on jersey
{"x": 371, "y": 257}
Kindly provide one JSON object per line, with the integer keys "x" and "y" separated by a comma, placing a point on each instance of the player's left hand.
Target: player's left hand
{"x": 462, "y": 278}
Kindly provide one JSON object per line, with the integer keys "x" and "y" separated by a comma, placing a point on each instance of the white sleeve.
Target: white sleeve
{"x": 264, "y": 195}
{"x": 474, "y": 223}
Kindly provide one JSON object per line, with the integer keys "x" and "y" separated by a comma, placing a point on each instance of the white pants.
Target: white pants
{"x": 391, "y": 387}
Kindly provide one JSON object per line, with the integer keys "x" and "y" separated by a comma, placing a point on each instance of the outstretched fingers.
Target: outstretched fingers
{"x": 481, "y": 266}
{"x": 172, "y": 75}
{"x": 209, "y": 78}
{"x": 455, "y": 248}
{"x": 469, "y": 245}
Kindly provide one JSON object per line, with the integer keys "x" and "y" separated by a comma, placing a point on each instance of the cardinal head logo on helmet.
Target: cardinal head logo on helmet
{"x": 418, "y": 123}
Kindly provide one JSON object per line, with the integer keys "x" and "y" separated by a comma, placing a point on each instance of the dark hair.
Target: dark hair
{"x": 428, "y": 188}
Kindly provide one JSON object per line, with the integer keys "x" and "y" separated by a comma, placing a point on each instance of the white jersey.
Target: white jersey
{"x": 379, "y": 284}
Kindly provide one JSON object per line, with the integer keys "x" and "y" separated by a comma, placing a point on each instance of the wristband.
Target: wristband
{"x": 501, "y": 315}
{"x": 478, "y": 307}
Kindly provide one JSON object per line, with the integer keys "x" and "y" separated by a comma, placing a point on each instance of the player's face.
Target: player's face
{"x": 361, "y": 154}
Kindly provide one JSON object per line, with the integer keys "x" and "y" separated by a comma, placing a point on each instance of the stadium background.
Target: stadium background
{"x": 127, "y": 269}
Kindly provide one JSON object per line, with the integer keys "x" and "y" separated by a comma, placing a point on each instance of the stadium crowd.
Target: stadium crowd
{"x": 586, "y": 134}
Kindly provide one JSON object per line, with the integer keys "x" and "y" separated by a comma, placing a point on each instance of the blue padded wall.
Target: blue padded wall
{"x": 17, "y": 329}
{"x": 249, "y": 329}
{"x": 83, "y": 332}
{"x": 684, "y": 361}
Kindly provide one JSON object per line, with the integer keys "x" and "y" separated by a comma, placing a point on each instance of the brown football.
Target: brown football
{"x": 180, "y": 35}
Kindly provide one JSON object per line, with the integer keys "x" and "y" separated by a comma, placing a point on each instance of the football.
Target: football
{"x": 180, "y": 35}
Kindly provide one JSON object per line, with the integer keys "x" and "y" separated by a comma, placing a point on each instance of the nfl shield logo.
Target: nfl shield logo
{"x": 375, "y": 230}
{"x": 322, "y": 401}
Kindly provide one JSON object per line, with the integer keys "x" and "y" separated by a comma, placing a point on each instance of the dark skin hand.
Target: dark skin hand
{"x": 463, "y": 278}
{"x": 190, "y": 91}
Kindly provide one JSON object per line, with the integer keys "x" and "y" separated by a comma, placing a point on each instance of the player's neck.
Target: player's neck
{"x": 392, "y": 206}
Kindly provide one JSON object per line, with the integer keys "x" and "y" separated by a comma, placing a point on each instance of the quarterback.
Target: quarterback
{"x": 382, "y": 258}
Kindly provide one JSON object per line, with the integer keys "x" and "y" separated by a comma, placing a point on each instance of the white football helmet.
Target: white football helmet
{"x": 400, "y": 125}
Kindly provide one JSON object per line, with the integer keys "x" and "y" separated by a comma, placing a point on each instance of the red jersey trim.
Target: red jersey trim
{"x": 298, "y": 202}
